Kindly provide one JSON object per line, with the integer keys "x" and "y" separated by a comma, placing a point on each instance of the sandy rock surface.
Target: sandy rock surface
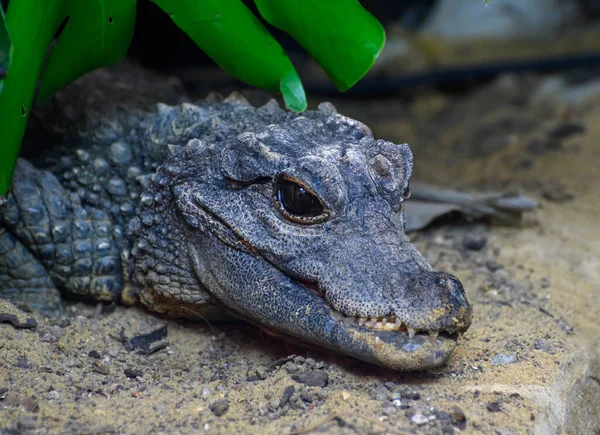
{"x": 528, "y": 364}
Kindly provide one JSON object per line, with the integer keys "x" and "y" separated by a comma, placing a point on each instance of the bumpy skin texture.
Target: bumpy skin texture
{"x": 178, "y": 206}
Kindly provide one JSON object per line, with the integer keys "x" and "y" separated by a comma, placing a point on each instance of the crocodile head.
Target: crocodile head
{"x": 298, "y": 227}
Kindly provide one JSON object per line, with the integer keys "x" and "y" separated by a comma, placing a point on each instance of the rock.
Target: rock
{"x": 291, "y": 367}
{"x": 494, "y": 407}
{"x": 458, "y": 417}
{"x": 133, "y": 373}
{"x": 94, "y": 354}
{"x": 219, "y": 407}
{"x": 311, "y": 362}
{"x": 502, "y": 359}
{"x": 53, "y": 395}
{"x": 287, "y": 394}
{"x": 543, "y": 345}
{"x": 27, "y": 422}
{"x": 419, "y": 419}
{"x": 474, "y": 243}
{"x": 314, "y": 378}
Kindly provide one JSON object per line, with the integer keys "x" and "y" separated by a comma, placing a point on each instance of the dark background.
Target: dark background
{"x": 160, "y": 45}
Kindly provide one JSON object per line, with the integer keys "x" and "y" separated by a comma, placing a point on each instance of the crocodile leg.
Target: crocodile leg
{"x": 23, "y": 279}
{"x": 77, "y": 246}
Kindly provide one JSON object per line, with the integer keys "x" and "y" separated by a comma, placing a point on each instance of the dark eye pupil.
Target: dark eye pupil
{"x": 297, "y": 200}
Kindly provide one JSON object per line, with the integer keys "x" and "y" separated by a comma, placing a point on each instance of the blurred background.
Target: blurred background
{"x": 449, "y": 42}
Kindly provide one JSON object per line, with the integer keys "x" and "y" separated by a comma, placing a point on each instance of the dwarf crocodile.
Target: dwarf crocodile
{"x": 291, "y": 222}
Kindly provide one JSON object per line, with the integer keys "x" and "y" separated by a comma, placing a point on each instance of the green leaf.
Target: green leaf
{"x": 236, "y": 40}
{"x": 89, "y": 40}
{"x": 341, "y": 35}
{"x": 293, "y": 92}
{"x": 5, "y": 48}
{"x": 97, "y": 33}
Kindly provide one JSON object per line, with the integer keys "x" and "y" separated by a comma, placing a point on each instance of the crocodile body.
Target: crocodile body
{"x": 292, "y": 222}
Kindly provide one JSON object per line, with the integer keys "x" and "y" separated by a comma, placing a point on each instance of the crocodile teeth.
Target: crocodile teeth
{"x": 378, "y": 343}
{"x": 391, "y": 326}
{"x": 362, "y": 321}
{"x": 370, "y": 323}
{"x": 411, "y": 333}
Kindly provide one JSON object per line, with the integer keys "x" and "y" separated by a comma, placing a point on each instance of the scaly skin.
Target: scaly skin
{"x": 191, "y": 208}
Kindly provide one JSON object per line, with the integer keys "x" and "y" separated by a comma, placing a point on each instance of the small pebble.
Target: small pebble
{"x": 53, "y": 395}
{"x": 502, "y": 359}
{"x": 314, "y": 378}
{"x": 458, "y": 417}
{"x": 27, "y": 422}
{"x": 219, "y": 407}
{"x": 133, "y": 373}
{"x": 494, "y": 407}
{"x": 419, "y": 418}
{"x": 474, "y": 243}
{"x": 287, "y": 394}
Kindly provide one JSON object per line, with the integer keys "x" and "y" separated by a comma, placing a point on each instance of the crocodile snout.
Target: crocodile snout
{"x": 434, "y": 302}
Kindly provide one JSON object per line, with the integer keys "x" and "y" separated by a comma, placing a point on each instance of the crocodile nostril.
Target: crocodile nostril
{"x": 451, "y": 285}
{"x": 456, "y": 289}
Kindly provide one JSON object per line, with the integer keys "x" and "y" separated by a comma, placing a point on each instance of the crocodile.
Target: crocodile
{"x": 293, "y": 222}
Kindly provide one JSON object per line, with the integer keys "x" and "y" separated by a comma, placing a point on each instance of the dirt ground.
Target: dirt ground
{"x": 528, "y": 364}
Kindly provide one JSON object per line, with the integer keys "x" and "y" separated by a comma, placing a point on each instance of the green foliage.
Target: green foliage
{"x": 5, "y": 47}
{"x": 343, "y": 37}
{"x": 97, "y": 33}
{"x": 237, "y": 41}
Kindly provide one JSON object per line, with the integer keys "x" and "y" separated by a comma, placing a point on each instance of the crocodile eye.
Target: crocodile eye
{"x": 297, "y": 203}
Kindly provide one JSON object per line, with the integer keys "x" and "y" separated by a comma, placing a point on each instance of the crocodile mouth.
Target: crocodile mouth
{"x": 298, "y": 311}
{"x": 387, "y": 341}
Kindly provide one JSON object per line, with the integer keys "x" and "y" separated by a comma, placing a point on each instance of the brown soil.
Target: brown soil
{"x": 529, "y": 363}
